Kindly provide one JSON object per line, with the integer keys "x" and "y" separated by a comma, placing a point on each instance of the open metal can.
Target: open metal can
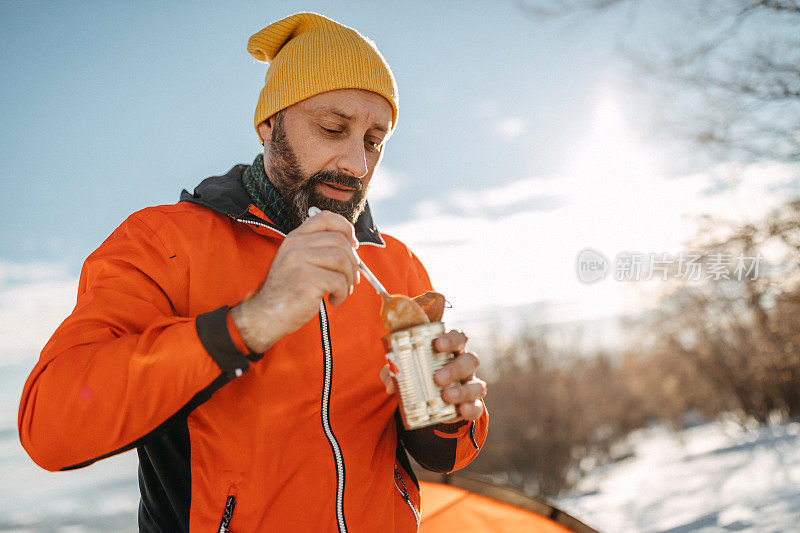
{"x": 412, "y": 363}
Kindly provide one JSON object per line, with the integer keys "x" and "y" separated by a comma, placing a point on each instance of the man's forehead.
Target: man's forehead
{"x": 352, "y": 105}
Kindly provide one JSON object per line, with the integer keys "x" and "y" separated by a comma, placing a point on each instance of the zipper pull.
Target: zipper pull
{"x": 230, "y": 503}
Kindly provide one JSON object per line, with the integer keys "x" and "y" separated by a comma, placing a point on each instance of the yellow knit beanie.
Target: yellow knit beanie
{"x": 311, "y": 54}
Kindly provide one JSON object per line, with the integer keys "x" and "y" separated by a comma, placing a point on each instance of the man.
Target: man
{"x": 228, "y": 339}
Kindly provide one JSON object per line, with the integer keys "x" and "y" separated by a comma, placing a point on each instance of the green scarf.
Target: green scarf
{"x": 265, "y": 196}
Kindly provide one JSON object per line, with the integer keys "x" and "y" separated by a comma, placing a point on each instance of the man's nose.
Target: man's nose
{"x": 353, "y": 160}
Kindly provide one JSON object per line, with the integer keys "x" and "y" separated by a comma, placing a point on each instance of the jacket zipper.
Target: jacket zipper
{"x": 326, "y": 422}
{"x": 326, "y": 399}
{"x": 254, "y": 223}
{"x": 472, "y": 435}
{"x": 230, "y": 503}
{"x": 404, "y": 493}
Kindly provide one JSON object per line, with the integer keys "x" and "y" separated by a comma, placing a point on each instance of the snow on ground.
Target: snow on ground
{"x": 717, "y": 477}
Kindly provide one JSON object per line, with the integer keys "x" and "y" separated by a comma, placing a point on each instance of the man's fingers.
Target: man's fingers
{"x": 318, "y": 239}
{"x": 332, "y": 283}
{"x": 328, "y": 221}
{"x": 318, "y": 248}
{"x": 335, "y": 259}
{"x": 471, "y": 410}
{"x": 465, "y": 393}
{"x": 452, "y": 341}
{"x": 386, "y": 377}
{"x": 461, "y": 368}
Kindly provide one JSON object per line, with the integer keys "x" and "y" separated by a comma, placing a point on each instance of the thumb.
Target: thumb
{"x": 386, "y": 377}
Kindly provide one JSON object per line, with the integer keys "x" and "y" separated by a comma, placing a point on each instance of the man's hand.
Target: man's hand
{"x": 316, "y": 259}
{"x": 466, "y": 390}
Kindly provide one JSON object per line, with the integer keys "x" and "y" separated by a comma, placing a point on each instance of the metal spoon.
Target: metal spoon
{"x": 398, "y": 311}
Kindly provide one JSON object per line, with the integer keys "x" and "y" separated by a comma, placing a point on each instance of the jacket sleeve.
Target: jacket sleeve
{"x": 442, "y": 447}
{"x": 445, "y": 447}
{"x": 123, "y": 366}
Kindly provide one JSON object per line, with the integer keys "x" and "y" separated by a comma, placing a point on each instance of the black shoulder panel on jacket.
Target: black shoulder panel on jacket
{"x": 223, "y": 194}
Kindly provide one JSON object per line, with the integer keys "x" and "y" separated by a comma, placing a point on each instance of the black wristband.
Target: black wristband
{"x": 212, "y": 329}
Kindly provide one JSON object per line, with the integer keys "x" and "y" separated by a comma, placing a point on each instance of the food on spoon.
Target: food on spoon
{"x": 432, "y": 303}
{"x": 398, "y": 311}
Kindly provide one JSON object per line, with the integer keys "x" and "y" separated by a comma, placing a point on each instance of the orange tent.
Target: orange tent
{"x": 468, "y": 505}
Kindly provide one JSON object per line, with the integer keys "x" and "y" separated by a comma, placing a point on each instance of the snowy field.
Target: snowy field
{"x": 711, "y": 478}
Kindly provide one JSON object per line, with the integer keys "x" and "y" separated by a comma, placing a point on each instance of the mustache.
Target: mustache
{"x": 337, "y": 178}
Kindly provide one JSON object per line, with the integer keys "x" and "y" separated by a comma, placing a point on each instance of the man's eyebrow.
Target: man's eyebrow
{"x": 336, "y": 111}
{"x": 340, "y": 113}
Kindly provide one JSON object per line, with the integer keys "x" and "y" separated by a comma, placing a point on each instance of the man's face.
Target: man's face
{"x": 323, "y": 151}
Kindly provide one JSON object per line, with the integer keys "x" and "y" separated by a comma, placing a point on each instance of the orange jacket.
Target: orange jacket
{"x": 303, "y": 439}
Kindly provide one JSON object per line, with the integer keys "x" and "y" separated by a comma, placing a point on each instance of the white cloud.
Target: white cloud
{"x": 427, "y": 209}
{"x": 537, "y": 193}
{"x": 34, "y": 300}
{"x": 509, "y": 128}
{"x": 383, "y": 185}
{"x": 615, "y": 199}
{"x": 15, "y": 273}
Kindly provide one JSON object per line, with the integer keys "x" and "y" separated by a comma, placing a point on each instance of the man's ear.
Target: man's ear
{"x": 265, "y": 130}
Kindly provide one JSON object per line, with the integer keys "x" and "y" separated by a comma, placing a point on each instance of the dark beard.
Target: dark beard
{"x": 300, "y": 192}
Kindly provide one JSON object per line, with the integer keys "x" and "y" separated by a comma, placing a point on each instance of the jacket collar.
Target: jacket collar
{"x": 226, "y": 195}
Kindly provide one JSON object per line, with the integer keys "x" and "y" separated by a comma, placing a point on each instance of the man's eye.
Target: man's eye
{"x": 372, "y": 145}
{"x": 330, "y": 131}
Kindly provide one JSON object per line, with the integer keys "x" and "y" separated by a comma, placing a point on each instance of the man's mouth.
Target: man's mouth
{"x": 338, "y": 186}
{"x": 337, "y": 191}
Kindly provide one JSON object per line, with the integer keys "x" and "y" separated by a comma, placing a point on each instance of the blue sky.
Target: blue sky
{"x": 113, "y": 106}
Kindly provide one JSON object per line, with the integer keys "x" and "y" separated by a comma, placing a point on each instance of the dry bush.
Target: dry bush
{"x": 667, "y": 388}
{"x": 742, "y": 336}
{"x": 555, "y": 414}
{"x": 712, "y": 347}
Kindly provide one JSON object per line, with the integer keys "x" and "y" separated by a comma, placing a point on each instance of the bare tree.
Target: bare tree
{"x": 742, "y": 333}
{"x": 712, "y": 346}
{"x": 727, "y": 72}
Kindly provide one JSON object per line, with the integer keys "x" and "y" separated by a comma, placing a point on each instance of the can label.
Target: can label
{"x": 412, "y": 363}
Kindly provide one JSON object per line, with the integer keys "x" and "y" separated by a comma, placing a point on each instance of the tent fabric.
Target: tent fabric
{"x": 467, "y": 504}
{"x": 446, "y": 509}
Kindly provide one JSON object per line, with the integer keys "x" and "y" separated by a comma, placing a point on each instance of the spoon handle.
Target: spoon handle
{"x": 371, "y": 278}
